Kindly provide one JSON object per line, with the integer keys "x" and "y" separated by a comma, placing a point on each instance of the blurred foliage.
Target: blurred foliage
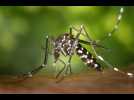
{"x": 23, "y": 29}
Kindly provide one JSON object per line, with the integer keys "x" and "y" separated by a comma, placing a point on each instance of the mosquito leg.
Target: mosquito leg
{"x": 119, "y": 17}
{"x": 80, "y": 31}
{"x": 116, "y": 26}
{"x": 63, "y": 53}
{"x": 72, "y": 49}
{"x": 91, "y": 43}
{"x": 62, "y": 70}
{"x": 70, "y": 31}
{"x": 109, "y": 34}
{"x": 69, "y": 65}
{"x": 34, "y": 71}
{"x": 114, "y": 68}
{"x": 50, "y": 48}
{"x": 59, "y": 73}
{"x": 108, "y": 64}
{"x": 73, "y": 28}
{"x": 77, "y": 30}
{"x": 65, "y": 66}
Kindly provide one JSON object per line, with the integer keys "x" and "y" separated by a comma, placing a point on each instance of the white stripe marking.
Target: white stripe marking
{"x": 100, "y": 58}
{"x": 119, "y": 17}
{"x": 130, "y": 74}
{"x": 121, "y": 10}
{"x": 90, "y": 61}
{"x": 80, "y": 51}
{"x": 116, "y": 69}
{"x": 84, "y": 56}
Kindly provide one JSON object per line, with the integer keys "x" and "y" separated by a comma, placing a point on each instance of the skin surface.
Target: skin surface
{"x": 86, "y": 82}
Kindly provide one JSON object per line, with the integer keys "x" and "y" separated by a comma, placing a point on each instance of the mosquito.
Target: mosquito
{"x": 67, "y": 45}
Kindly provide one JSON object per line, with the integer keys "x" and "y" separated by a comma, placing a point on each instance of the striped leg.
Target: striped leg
{"x": 109, "y": 34}
{"x": 34, "y": 71}
{"x": 69, "y": 66}
{"x": 66, "y": 66}
{"x": 59, "y": 73}
{"x": 116, "y": 26}
{"x": 73, "y": 49}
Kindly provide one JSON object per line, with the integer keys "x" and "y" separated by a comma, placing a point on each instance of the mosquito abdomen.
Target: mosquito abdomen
{"x": 87, "y": 57}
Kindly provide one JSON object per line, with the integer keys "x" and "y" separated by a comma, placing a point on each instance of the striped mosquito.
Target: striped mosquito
{"x": 67, "y": 45}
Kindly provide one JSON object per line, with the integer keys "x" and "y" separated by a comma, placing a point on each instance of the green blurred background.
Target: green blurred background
{"x": 23, "y": 29}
